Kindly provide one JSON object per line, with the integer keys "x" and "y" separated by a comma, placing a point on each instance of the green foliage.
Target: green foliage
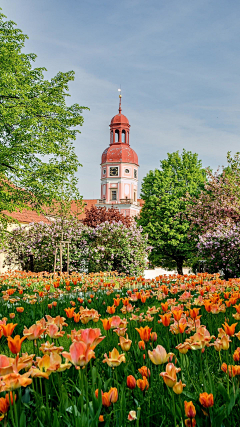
{"x": 37, "y": 128}
{"x": 164, "y": 193}
{"x": 116, "y": 247}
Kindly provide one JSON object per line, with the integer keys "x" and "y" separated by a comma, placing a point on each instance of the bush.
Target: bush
{"x": 106, "y": 247}
{"x": 117, "y": 247}
{"x": 221, "y": 250}
{"x": 40, "y": 240}
{"x": 97, "y": 215}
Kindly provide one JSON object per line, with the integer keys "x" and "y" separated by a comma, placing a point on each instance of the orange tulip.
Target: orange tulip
{"x": 101, "y": 419}
{"x": 236, "y": 355}
{"x": 170, "y": 376}
{"x": 14, "y": 381}
{"x": 190, "y": 410}
{"x": 8, "y": 329}
{"x": 164, "y": 306}
{"x": 69, "y": 312}
{"x": 20, "y": 309}
{"x": 116, "y": 301}
{"x": 144, "y": 333}
{"x": 4, "y": 406}
{"x": 143, "y": 384}
{"x": 166, "y": 319}
{"x": 113, "y": 395}
{"x": 206, "y": 400}
{"x": 76, "y": 317}
{"x": 131, "y": 382}
{"x": 177, "y": 314}
{"x": 111, "y": 309}
{"x": 108, "y": 397}
{"x": 12, "y": 315}
{"x": 106, "y": 324}
{"x": 15, "y": 344}
{"x": 194, "y": 313}
{"x": 141, "y": 345}
{"x": 144, "y": 371}
{"x": 230, "y": 330}
{"x": 153, "y": 336}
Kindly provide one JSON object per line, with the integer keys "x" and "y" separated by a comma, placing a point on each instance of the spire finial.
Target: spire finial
{"x": 120, "y": 100}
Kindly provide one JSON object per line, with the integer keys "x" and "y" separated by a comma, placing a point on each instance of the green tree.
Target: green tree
{"x": 163, "y": 214}
{"x": 37, "y": 129}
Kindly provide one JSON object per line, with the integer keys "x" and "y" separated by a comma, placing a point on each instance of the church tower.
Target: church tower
{"x": 119, "y": 169}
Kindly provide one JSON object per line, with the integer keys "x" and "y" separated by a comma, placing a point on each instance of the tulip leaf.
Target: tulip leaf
{"x": 26, "y": 396}
{"x": 222, "y": 390}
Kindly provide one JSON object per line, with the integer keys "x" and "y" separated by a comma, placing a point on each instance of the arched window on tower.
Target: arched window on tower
{"x": 123, "y": 136}
{"x": 116, "y": 135}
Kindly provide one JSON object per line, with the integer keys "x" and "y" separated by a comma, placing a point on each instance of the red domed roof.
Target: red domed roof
{"x": 119, "y": 153}
{"x": 119, "y": 119}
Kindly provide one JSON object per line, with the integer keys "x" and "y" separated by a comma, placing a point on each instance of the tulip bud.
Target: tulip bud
{"x": 141, "y": 345}
{"x": 178, "y": 387}
{"x": 131, "y": 382}
{"x": 206, "y": 400}
{"x": 144, "y": 371}
{"x": 153, "y": 336}
{"x": 190, "y": 410}
{"x": 113, "y": 394}
{"x": 132, "y": 416}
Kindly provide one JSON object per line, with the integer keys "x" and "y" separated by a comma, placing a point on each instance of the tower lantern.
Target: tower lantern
{"x": 119, "y": 168}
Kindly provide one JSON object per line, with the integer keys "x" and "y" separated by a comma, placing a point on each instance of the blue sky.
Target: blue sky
{"x": 178, "y": 63}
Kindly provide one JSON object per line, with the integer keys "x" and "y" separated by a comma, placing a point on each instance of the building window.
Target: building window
{"x": 116, "y": 135}
{"x": 104, "y": 171}
{"x": 113, "y": 171}
{"x": 135, "y": 173}
{"x": 126, "y": 170}
{"x": 135, "y": 196}
{"x": 123, "y": 136}
{"x": 113, "y": 194}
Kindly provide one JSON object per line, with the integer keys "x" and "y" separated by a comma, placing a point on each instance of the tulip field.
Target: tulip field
{"x": 109, "y": 350}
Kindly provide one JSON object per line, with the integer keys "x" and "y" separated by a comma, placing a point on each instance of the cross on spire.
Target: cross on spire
{"x": 120, "y": 101}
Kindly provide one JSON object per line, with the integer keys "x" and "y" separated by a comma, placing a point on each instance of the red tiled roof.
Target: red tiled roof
{"x": 26, "y": 216}
{"x": 119, "y": 153}
{"x": 88, "y": 203}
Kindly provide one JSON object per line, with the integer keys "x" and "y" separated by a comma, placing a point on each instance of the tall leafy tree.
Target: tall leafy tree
{"x": 37, "y": 128}
{"x": 163, "y": 214}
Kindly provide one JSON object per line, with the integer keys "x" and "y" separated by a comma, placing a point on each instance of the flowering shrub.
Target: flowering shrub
{"x": 107, "y": 247}
{"x": 40, "y": 241}
{"x": 221, "y": 250}
{"x": 117, "y": 247}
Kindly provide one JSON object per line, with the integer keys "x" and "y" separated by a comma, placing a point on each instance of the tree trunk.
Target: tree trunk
{"x": 179, "y": 262}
